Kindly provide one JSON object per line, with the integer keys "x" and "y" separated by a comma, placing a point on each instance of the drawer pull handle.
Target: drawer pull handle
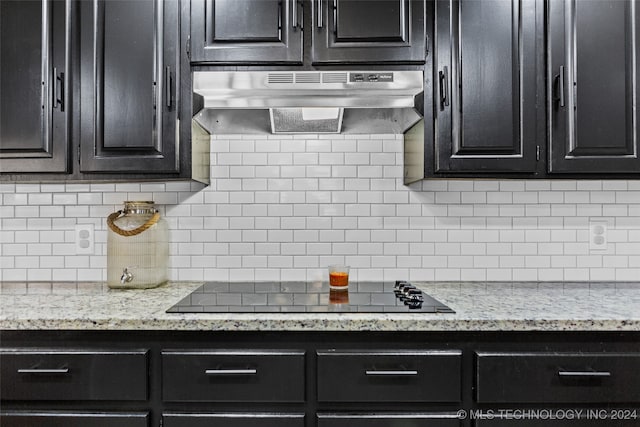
{"x": 584, "y": 374}
{"x": 231, "y": 371}
{"x": 44, "y": 371}
{"x": 391, "y": 373}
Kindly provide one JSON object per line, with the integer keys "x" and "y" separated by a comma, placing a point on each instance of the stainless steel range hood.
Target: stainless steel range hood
{"x": 249, "y": 102}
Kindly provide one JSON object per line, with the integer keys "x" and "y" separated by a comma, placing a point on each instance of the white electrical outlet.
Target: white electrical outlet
{"x": 84, "y": 239}
{"x": 597, "y": 235}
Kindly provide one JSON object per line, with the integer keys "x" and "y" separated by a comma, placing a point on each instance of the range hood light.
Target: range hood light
{"x": 328, "y": 113}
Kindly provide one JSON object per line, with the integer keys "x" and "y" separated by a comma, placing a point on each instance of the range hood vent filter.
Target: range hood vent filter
{"x": 295, "y": 120}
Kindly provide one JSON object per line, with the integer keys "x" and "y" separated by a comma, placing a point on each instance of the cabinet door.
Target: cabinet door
{"x": 33, "y": 85}
{"x": 246, "y": 31}
{"x": 129, "y": 75}
{"x": 378, "y": 31}
{"x": 66, "y": 419}
{"x": 592, "y": 86}
{"x": 485, "y": 85}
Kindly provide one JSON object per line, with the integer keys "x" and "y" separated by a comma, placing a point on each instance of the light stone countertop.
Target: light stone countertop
{"x": 509, "y": 306}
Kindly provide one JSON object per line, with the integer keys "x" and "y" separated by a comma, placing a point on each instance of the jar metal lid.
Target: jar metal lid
{"x": 139, "y": 207}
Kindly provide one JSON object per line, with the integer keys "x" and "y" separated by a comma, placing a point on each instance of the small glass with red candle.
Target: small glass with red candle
{"x": 338, "y": 276}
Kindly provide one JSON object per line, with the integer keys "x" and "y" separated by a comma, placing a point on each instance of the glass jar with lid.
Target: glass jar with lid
{"x": 137, "y": 247}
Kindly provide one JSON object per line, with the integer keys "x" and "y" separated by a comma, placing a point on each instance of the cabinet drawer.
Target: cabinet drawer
{"x": 407, "y": 419}
{"x": 557, "y": 377}
{"x": 389, "y": 376}
{"x": 66, "y": 419}
{"x": 230, "y": 375}
{"x": 73, "y": 375}
{"x": 237, "y": 419}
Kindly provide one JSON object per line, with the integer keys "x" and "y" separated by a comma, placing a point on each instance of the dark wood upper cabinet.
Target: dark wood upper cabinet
{"x": 342, "y": 31}
{"x": 484, "y": 83}
{"x": 129, "y": 74}
{"x": 246, "y": 31}
{"x": 592, "y": 86}
{"x": 34, "y": 75}
{"x": 378, "y": 31}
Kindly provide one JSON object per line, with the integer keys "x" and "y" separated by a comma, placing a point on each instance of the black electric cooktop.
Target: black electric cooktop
{"x": 304, "y": 297}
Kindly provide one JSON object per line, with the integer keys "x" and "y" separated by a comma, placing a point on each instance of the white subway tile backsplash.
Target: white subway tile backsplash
{"x": 615, "y": 185}
{"x": 6, "y": 216}
{"x": 27, "y": 188}
{"x": 524, "y": 248}
{"x": 22, "y": 212}
{"x": 499, "y": 197}
{"x": 284, "y": 207}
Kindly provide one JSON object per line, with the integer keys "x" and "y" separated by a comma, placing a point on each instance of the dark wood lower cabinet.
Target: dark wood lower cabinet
{"x": 237, "y": 419}
{"x": 319, "y": 379}
{"x": 385, "y": 420}
{"x": 43, "y": 375}
{"x": 228, "y": 376}
{"x": 540, "y": 377}
{"x": 69, "y": 419}
{"x": 389, "y": 376}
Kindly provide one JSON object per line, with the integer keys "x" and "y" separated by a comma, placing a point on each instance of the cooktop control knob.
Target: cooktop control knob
{"x": 414, "y": 304}
{"x": 400, "y": 284}
{"x": 407, "y": 290}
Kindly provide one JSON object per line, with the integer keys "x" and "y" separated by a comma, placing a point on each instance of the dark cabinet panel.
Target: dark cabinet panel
{"x": 389, "y": 376}
{"x": 557, "y": 377}
{"x": 246, "y": 31}
{"x": 226, "y": 375}
{"x": 128, "y": 82}
{"x": 66, "y": 419}
{"x": 485, "y": 86}
{"x": 592, "y": 88}
{"x": 33, "y": 86}
{"x": 237, "y": 419}
{"x": 73, "y": 375}
{"x": 376, "y": 31}
{"x": 407, "y": 419}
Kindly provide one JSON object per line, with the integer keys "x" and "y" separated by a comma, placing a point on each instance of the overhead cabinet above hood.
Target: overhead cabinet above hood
{"x": 308, "y": 101}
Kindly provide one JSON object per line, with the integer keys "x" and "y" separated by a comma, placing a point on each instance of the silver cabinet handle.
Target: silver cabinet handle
{"x": 391, "y": 373}
{"x": 231, "y": 371}
{"x": 560, "y": 86}
{"x": 58, "y": 96}
{"x": 320, "y": 23}
{"x": 335, "y": 18}
{"x": 443, "y": 79}
{"x": 167, "y": 86}
{"x": 294, "y": 13}
{"x": 584, "y": 374}
{"x": 44, "y": 371}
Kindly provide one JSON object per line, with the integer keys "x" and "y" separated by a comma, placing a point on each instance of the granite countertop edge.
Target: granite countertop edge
{"x": 479, "y": 306}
